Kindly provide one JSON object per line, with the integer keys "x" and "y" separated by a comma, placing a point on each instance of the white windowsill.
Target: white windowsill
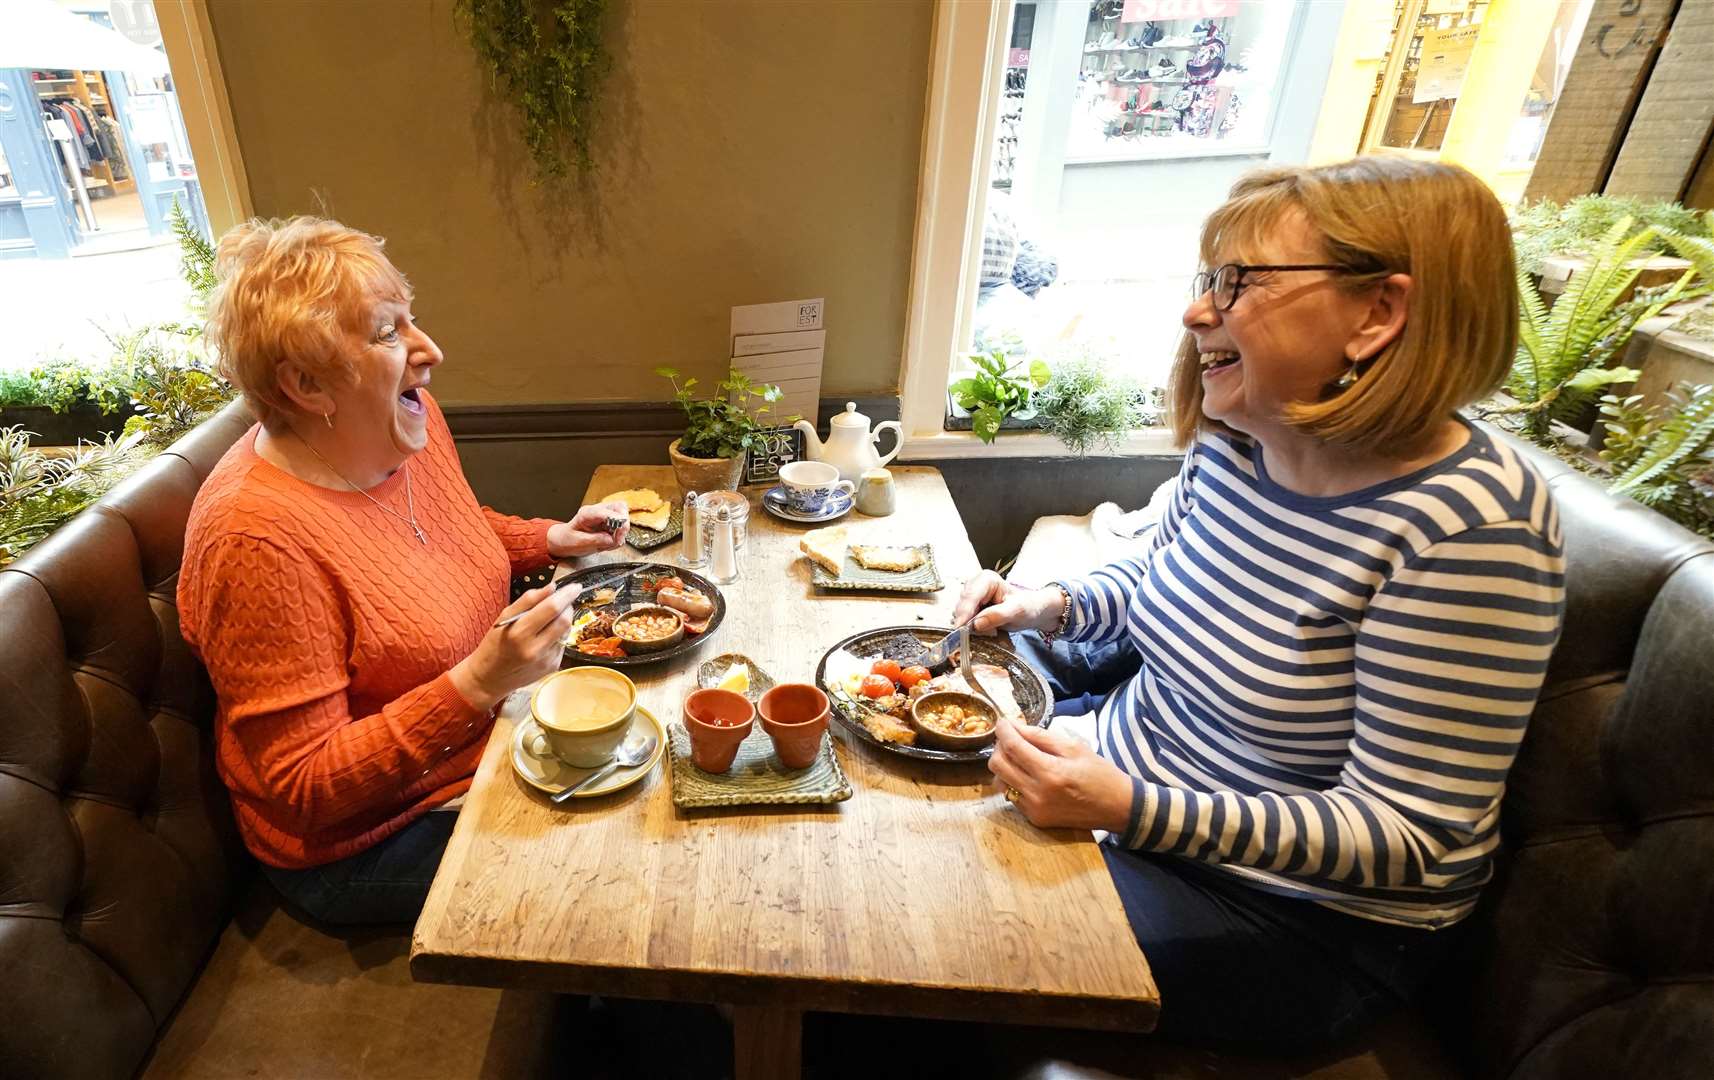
{"x": 959, "y": 445}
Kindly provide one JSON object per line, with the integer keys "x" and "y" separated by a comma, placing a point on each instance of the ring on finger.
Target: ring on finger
{"x": 1013, "y": 794}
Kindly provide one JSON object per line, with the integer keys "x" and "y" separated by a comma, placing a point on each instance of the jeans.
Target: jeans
{"x": 1080, "y": 676}
{"x": 1247, "y": 970}
{"x": 385, "y": 884}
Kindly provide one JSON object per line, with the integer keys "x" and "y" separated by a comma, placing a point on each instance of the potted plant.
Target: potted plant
{"x": 718, "y": 431}
{"x": 1084, "y": 407}
{"x": 998, "y": 394}
{"x": 64, "y": 402}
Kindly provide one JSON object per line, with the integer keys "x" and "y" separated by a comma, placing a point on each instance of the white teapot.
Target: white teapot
{"x": 850, "y": 445}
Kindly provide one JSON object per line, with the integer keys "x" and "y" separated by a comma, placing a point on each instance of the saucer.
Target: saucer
{"x": 537, "y": 766}
{"x": 838, "y": 505}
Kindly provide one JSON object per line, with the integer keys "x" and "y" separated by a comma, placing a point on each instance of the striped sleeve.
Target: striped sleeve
{"x": 1450, "y": 655}
{"x": 1100, "y": 599}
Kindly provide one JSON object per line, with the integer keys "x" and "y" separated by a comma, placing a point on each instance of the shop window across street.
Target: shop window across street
{"x": 94, "y": 156}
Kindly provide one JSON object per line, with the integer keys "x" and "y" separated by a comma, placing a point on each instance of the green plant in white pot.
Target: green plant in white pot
{"x": 718, "y": 431}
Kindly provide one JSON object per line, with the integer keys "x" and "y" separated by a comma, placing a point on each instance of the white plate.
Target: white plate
{"x": 544, "y": 772}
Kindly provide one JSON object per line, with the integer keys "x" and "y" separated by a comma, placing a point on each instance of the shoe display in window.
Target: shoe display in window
{"x": 1164, "y": 69}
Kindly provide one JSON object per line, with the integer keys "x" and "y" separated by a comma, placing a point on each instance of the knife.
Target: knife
{"x": 936, "y": 654}
{"x": 566, "y": 580}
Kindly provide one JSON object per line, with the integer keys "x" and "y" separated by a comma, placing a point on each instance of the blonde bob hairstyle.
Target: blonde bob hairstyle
{"x": 1379, "y": 216}
{"x": 295, "y": 290}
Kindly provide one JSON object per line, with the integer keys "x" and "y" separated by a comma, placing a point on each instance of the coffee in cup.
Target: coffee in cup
{"x": 584, "y": 713}
{"x": 810, "y": 485}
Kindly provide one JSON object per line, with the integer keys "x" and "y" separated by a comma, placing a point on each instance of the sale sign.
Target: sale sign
{"x": 1152, "y": 10}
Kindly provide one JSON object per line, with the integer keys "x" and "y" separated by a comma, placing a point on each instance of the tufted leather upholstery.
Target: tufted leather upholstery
{"x": 1595, "y": 945}
{"x": 118, "y": 857}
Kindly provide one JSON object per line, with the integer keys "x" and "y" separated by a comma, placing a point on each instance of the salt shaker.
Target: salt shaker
{"x": 723, "y": 568}
{"x": 695, "y": 553}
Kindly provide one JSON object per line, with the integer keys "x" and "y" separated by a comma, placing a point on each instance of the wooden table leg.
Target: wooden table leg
{"x": 767, "y": 1043}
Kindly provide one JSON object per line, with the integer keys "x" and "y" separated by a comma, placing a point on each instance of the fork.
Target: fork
{"x": 968, "y": 672}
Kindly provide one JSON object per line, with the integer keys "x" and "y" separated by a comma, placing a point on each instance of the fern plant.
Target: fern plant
{"x": 1563, "y": 351}
{"x": 1664, "y": 457}
{"x": 196, "y": 255}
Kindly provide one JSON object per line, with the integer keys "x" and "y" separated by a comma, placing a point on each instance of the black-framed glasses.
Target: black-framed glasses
{"x": 1227, "y": 281}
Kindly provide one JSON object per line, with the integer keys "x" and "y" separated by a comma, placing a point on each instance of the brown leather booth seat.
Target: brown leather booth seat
{"x": 119, "y": 867}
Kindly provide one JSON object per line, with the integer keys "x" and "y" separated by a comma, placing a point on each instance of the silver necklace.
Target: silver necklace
{"x": 410, "y": 504}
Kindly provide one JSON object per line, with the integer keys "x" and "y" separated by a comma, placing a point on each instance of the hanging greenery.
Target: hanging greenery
{"x": 551, "y": 74}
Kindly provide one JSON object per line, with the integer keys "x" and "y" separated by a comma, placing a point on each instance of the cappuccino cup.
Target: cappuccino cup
{"x": 584, "y": 713}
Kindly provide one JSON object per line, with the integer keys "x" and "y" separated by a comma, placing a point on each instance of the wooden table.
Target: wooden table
{"x": 925, "y": 894}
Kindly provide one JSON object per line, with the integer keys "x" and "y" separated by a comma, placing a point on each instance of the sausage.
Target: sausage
{"x": 689, "y": 601}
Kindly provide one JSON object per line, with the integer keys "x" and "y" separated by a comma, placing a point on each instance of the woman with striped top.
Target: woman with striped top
{"x": 1344, "y": 617}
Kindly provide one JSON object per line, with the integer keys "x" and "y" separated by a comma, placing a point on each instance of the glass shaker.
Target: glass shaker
{"x": 723, "y": 553}
{"x": 695, "y": 553}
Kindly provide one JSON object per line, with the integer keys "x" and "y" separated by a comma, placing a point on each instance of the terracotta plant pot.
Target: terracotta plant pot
{"x": 718, "y": 720}
{"x": 705, "y": 474}
{"x": 795, "y": 716}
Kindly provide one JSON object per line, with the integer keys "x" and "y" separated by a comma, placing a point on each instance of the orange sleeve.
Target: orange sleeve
{"x": 275, "y": 639}
{"x": 525, "y": 539}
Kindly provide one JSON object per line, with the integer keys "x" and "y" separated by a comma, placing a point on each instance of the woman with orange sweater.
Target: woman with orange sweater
{"x": 341, "y": 581}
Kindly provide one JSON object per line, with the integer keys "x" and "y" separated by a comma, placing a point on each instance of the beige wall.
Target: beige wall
{"x": 752, "y": 152}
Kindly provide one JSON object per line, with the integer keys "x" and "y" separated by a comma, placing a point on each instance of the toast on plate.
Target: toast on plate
{"x": 826, "y": 547}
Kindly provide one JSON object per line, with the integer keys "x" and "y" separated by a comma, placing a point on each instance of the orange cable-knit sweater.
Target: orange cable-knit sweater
{"x": 328, "y": 630}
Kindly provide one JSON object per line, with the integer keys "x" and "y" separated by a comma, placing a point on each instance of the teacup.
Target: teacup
{"x": 795, "y": 716}
{"x": 811, "y": 484}
{"x": 717, "y": 720}
{"x": 584, "y": 713}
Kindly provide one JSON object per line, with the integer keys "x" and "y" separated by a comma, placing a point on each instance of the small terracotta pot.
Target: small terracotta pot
{"x": 705, "y": 474}
{"x": 718, "y": 720}
{"x": 794, "y": 715}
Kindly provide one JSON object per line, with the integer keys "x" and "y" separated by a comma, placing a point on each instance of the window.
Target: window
{"x": 1073, "y": 150}
{"x": 97, "y": 156}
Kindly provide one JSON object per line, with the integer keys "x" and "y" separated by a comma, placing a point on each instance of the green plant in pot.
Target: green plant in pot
{"x": 1086, "y": 408}
{"x": 718, "y": 431}
{"x": 999, "y": 389}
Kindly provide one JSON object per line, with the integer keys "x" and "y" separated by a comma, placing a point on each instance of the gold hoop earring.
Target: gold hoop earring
{"x": 329, "y": 420}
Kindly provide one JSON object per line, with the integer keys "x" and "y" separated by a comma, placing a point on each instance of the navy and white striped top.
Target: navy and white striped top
{"x": 1332, "y": 689}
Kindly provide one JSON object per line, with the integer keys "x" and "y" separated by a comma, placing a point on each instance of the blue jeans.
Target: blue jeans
{"x": 385, "y": 884}
{"x": 1080, "y": 676}
{"x": 1247, "y": 970}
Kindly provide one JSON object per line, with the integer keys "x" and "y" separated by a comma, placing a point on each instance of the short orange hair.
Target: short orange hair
{"x": 1381, "y": 215}
{"x": 294, "y": 290}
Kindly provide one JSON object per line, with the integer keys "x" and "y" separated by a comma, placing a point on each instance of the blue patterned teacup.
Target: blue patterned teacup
{"x": 811, "y": 485}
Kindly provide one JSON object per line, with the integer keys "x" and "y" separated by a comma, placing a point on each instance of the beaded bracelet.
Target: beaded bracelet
{"x": 1059, "y": 628}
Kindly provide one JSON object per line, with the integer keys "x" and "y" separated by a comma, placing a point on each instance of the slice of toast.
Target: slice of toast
{"x": 637, "y": 499}
{"x": 826, "y": 547}
{"x": 655, "y": 519}
{"x": 877, "y": 557}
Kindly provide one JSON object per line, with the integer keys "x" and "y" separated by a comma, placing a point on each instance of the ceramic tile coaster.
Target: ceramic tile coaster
{"x": 648, "y": 539}
{"x": 756, "y": 776}
{"x": 925, "y": 578}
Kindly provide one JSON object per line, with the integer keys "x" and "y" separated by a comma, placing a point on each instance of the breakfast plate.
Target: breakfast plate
{"x": 537, "y": 766}
{"x": 903, "y": 644}
{"x": 642, "y": 592}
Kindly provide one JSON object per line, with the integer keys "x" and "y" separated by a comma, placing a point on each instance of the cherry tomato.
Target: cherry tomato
{"x": 889, "y": 668}
{"x": 910, "y": 676}
{"x": 878, "y": 686}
